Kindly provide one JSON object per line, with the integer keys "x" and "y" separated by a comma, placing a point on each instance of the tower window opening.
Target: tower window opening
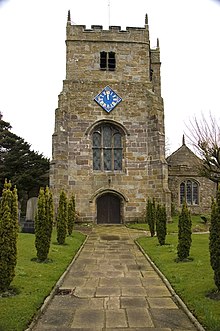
{"x": 111, "y": 61}
{"x": 107, "y": 61}
{"x": 103, "y": 60}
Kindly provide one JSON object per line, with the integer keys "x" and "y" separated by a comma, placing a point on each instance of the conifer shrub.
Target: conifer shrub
{"x": 49, "y": 209}
{"x": 161, "y": 224}
{"x": 62, "y": 217}
{"x": 214, "y": 239}
{"x": 8, "y": 235}
{"x": 43, "y": 224}
{"x": 184, "y": 233}
{"x": 151, "y": 216}
{"x": 71, "y": 215}
{"x": 40, "y": 227}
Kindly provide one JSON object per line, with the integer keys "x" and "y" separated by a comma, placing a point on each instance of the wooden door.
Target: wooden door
{"x": 108, "y": 209}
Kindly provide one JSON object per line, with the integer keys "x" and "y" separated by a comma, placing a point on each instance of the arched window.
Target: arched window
{"x": 189, "y": 190}
{"x": 107, "y": 148}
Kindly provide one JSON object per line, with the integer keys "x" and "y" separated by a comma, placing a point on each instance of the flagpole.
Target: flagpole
{"x": 109, "y": 13}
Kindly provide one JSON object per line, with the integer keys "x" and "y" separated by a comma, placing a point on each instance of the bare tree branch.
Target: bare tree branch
{"x": 204, "y": 136}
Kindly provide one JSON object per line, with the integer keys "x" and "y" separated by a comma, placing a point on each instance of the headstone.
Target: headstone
{"x": 28, "y": 226}
{"x": 31, "y": 209}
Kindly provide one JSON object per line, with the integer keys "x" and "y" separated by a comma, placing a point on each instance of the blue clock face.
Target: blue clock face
{"x": 108, "y": 99}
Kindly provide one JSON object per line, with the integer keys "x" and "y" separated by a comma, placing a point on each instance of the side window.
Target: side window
{"x": 107, "y": 148}
{"x": 189, "y": 190}
{"x": 107, "y": 61}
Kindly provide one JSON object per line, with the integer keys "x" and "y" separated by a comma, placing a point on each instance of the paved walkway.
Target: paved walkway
{"x": 111, "y": 286}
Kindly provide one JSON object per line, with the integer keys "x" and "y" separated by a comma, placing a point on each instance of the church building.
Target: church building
{"x": 109, "y": 140}
{"x": 186, "y": 181}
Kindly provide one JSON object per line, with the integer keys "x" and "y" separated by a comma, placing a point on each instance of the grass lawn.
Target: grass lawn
{"x": 172, "y": 227}
{"x": 34, "y": 281}
{"x": 191, "y": 280}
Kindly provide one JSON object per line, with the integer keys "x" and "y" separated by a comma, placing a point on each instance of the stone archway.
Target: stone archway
{"x": 108, "y": 209}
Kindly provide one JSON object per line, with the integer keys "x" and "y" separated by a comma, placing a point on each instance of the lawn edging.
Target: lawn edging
{"x": 53, "y": 292}
{"x": 168, "y": 285}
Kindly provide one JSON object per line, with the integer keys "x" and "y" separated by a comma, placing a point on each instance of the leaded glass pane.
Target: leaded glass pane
{"x": 117, "y": 159}
{"x": 97, "y": 159}
{"x": 107, "y": 159}
{"x": 107, "y": 148}
{"x": 117, "y": 140}
{"x": 189, "y": 192}
{"x": 182, "y": 192}
{"x": 195, "y": 193}
{"x": 96, "y": 139}
{"x": 107, "y": 136}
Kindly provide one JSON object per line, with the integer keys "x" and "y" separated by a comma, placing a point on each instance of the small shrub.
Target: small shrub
{"x": 184, "y": 233}
{"x": 71, "y": 215}
{"x": 8, "y": 236}
{"x": 161, "y": 224}
{"x": 43, "y": 224}
{"x": 49, "y": 209}
{"x": 62, "y": 217}
{"x": 214, "y": 239}
{"x": 174, "y": 210}
{"x": 150, "y": 216}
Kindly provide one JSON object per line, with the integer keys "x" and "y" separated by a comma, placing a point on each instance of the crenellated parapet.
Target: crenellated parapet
{"x": 134, "y": 34}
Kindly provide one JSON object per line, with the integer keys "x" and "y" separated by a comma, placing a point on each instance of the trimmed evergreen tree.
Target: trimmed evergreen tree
{"x": 8, "y": 236}
{"x": 14, "y": 211}
{"x": 71, "y": 215}
{"x": 62, "y": 217}
{"x": 43, "y": 224}
{"x": 49, "y": 209}
{"x": 151, "y": 216}
{"x": 161, "y": 224}
{"x": 214, "y": 239}
{"x": 184, "y": 233}
{"x": 39, "y": 224}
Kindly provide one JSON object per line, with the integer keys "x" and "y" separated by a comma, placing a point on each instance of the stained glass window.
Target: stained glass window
{"x": 189, "y": 190}
{"x": 107, "y": 148}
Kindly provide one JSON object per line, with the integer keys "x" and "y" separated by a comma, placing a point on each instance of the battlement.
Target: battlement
{"x": 115, "y": 28}
{"x": 96, "y": 32}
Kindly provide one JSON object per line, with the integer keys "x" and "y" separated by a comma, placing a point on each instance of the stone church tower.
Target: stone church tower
{"x": 109, "y": 142}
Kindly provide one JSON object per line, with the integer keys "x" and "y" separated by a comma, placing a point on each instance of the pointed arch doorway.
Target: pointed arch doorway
{"x": 108, "y": 209}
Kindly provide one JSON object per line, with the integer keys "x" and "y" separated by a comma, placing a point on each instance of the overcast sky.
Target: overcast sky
{"x": 32, "y": 58}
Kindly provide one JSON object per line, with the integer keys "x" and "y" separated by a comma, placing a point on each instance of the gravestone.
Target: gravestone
{"x": 28, "y": 226}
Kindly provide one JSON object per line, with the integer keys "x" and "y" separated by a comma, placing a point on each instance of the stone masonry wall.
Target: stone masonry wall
{"x": 183, "y": 165}
{"x": 139, "y": 116}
